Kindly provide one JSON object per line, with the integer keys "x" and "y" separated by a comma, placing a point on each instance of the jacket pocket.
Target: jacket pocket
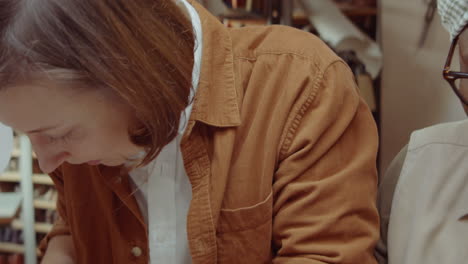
{"x": 244, "y": 234}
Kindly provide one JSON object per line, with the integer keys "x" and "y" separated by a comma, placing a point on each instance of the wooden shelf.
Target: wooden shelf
{"x": 241, "y": 16}
{"x": 36, "y": 178}
{"x": 42, "y": 179}
{"x": 42, "y": 204}
{"x": 352, "y": 10}
{"x": 347, "y": 9}
{"x": 16, "y": 153}
{"x": 8, "y": 247}
{"x": 38, "y": 227}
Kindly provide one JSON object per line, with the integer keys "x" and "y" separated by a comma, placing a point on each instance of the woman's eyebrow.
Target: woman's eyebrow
{"x": 42, "y": 129}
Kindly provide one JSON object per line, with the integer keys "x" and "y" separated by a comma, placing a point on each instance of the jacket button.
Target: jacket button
{"x": 136, "y": 251}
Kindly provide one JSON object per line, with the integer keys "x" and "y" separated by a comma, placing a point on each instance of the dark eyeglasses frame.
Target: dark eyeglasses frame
{"x": 452, "y": 76}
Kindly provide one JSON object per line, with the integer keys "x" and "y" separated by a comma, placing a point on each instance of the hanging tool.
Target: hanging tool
{"x": 428, "y": 18}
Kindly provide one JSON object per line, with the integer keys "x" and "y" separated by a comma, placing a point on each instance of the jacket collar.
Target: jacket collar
{"x": 216, "y": 101}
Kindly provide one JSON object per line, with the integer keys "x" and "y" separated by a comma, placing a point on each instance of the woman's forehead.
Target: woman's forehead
{"x": 25, "y": 107}
{"x": 32, "y": 106}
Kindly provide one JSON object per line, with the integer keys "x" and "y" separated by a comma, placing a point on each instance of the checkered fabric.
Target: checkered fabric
{"x": 454, "y": 15}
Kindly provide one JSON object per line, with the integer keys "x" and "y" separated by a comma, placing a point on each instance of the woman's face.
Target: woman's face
{"x": 69, "y": 125}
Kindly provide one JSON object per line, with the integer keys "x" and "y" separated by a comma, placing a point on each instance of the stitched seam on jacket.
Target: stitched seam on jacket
{"x": 291, "y": 130}
{"x": 249, "y": 207}
{"x": 279, "y": 53}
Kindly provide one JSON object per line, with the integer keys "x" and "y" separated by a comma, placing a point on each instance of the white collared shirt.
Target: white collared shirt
{"x": 164, "y": 191}
{"x": 428, "y": 221}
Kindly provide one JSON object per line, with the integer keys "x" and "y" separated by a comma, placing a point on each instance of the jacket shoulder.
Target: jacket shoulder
{"x": 255, "y": 41}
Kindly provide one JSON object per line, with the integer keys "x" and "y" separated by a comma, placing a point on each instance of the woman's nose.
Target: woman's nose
{"x": 49, "y": 157}
{"x": 49, "y": 163}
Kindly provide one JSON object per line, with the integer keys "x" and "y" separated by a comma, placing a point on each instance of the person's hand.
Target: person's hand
{"x": 60, "y": 251}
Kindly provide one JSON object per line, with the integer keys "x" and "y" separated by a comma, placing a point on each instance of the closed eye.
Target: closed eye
{"x": 62, "y": 139}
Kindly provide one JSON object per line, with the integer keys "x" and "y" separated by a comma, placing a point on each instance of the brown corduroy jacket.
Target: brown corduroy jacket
{"x": 280, "y": 151}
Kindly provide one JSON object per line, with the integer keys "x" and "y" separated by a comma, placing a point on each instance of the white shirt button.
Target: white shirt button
{"x": 136, "y": 251}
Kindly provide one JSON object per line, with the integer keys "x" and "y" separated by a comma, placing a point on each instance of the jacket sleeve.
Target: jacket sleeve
{"x": 60, "y": 226}
{"x": 326, "y": 182}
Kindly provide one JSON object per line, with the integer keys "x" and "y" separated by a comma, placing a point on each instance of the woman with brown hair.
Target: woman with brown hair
{"x": 172, "y": 139}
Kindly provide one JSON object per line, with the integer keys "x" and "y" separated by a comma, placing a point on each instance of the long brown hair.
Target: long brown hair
{"x": 142, "y": 50}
